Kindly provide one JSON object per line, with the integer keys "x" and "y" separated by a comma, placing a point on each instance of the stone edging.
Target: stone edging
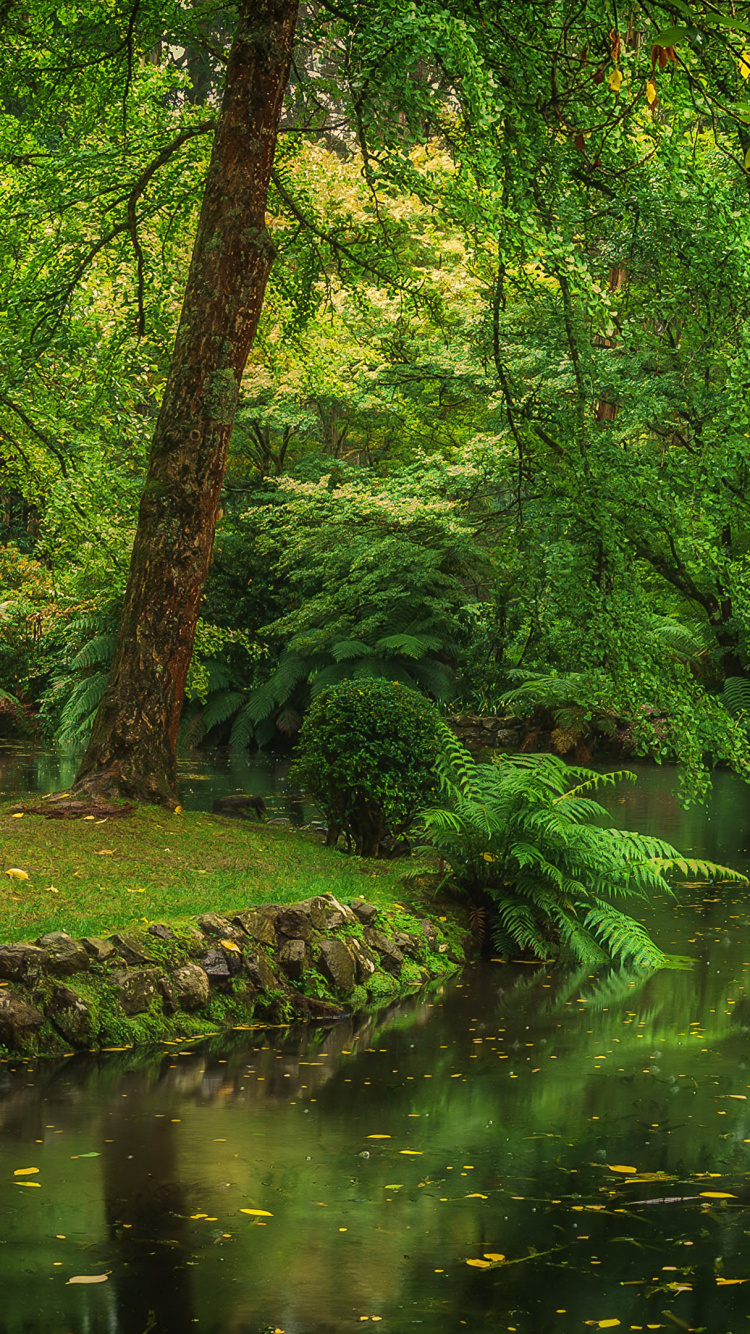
{"x": 316, "y": 960}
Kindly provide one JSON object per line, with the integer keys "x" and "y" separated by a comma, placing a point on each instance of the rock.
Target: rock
{"x": 407, "y": 944}
{"x": 99, "y": 950}
{"x": 337, "y": 906}
{"x": 293, "y": 958}
{"x": 136, "y": 987}
{"x": 161, "y": 931}
{"x": 337, "y": 965}
{"x": 64, "y": 955}
{"x": 258, "y": 923}
{"x": 429, "y": 931}
{"x": 131, "y": 949}
{"x": 319, "y": 910}
{"x": 20, "y": 961}
{"x": 364, "y": 960}
{"x": 71, "y": 1016}
{"x": 336, "y": 920}
{"x": 191, "y": 986}
{"x": 19, "y": 1019}
{"x": 216, "y": 965}
{"x": 364, "y": 912}
{"x": 295, "y": 922}
{"x": 261, "y": 973}
{"x": 391, "y": 957}
{"x": 211, "y": 924}
{"x": 168, "y": 994}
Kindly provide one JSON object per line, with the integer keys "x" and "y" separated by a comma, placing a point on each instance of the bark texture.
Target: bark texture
{"x": 132, "y": 751}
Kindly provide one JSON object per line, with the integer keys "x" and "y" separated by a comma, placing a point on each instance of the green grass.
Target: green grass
{"x": 154, "y": 866}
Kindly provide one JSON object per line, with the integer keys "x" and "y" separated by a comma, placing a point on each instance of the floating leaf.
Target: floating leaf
{"x": 717, "y": 1195}
{"x": 489, "y": 1255}
{"x": 729, "y": 1282}
{"x": 257, "y": 1213}
{"x": 479, "y": 1264}
{"x": 89, "y": 1278}
{"x": 398, "y": 1186}
{"x": 619, "y": 1168}
{"x": 25, "y": 1171}
{"x": 413, "y": 1153}
{"x": 607, "y": 1324}
{"x": 377, "y": 1137}
{"x": 14, "y": 873}
{"x": 28, "y": 1183}
{"x": 476, "y": 1196}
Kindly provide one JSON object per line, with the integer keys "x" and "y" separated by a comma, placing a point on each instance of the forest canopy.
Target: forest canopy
{"x": 492, "y": 436}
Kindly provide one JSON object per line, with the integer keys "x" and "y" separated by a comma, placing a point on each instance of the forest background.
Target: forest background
{"x": 493, "y": 435}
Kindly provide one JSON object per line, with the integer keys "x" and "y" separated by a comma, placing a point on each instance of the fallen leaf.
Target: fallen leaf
{"x": 17, "y": 815}
{"x": 25, "y": 1171}
{"x": 413, "y": 1153}
{"x": 88, "y": 1278}
{"x": 479, "y": 1264}
{"x": 729, "y": 1282}
{"x": 15, "y": 874}
{"x": 105, "y": 852}
{"x": 89, "y": 817}
{"x": 230, "y": 945}
{"x": 28, "y": 1183}
{"x": 619, "y": 1168}
{"x": 257, "y": 1213}
{"x": 377, "y": 1137}
{"x": 398, "y": 1186}
{"x": 476, "y": 1196}
{"x": 608, "y": 1324}
{"x": 489, "y": 1255}
{"x": 717, "y": 1195}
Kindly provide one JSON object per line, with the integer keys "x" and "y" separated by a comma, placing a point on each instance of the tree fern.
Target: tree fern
{"x": 525, "y": 832}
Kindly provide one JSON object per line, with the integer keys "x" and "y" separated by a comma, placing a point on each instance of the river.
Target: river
{"x": 477, "y": 1158}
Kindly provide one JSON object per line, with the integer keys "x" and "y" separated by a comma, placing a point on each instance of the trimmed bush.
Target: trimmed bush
{"x": 367, "y": 754}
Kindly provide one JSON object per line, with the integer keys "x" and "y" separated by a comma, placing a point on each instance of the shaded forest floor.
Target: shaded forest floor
{"x": 90, "y": 878}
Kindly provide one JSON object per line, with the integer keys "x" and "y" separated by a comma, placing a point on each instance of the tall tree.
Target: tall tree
{"x": 132, "y": 751}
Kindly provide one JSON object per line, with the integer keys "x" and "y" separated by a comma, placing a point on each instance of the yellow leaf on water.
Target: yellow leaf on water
{"x": 608, "y": 1324}
{"x": 476, "y": 1196}
{"x": 620, "y": 1168}
{"x": 615, "y": 80}
{"x": 377, "y": 1137}
{"x": 729, "y": 1282}
{"x": 479, "y": 1264}
{"x": 257, "y": 1213}
{"x": 15, "y": 874}
{"x": 489, "y": 1255}
{"x": 89, "y": 1278}
{"x": 717, "y": 1195}
{"x": 398, "y": 1186}
{"x": 413, "y": 1153}
{"x": 28, "y": 1183}
{"x": 25, "y": 1171}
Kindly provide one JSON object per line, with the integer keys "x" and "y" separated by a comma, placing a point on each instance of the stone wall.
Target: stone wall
{"x": 486, "y": 732}
{"x": 315, "y": 959}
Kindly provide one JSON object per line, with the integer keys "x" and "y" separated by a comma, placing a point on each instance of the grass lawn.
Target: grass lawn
{"x": 92, "y": 878}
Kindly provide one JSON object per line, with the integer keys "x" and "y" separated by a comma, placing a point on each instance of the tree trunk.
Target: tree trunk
{"x": 132, "y": 751}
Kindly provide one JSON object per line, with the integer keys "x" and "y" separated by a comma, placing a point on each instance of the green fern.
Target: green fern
{"x": 525, "y": 832}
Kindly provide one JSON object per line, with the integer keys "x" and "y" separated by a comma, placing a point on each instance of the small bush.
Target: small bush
{"x": 367, "y": 753}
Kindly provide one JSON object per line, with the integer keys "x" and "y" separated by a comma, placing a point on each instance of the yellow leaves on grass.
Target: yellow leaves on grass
{"x": 15, "y": 873}
{"x": 17, "y": 815}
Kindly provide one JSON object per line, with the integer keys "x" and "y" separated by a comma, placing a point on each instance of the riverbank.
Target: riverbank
{"x": 159, "y": 926}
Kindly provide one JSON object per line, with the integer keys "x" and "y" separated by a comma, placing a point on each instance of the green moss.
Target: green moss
{"x": 411, "y": 974}
{"x": 381, "y": 986}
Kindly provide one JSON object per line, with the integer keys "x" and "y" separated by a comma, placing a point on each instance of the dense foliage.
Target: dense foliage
{"x": 525, "y": 836}
{"x": 367, "y": 756}
{"x": 493, "y": 437}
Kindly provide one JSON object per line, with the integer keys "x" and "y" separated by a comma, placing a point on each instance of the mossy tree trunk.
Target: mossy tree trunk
{"x": 132, "y": 751}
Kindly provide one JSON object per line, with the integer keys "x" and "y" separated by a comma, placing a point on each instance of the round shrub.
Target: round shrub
{"x": 367, "y": 752}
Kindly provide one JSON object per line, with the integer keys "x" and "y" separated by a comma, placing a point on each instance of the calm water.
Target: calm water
{"x": 595, "y": 1132}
